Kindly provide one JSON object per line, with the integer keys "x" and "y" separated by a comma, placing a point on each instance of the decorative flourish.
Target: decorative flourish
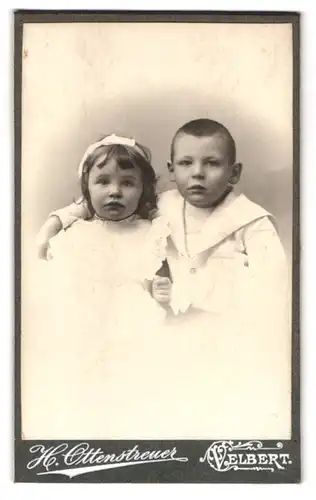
{"x": 83, "y": 459}
{"x": 254, "y": 445}
{"x": 223, "y": 456}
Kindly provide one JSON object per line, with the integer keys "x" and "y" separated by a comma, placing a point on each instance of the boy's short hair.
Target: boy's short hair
{"x": 203, "y": 127}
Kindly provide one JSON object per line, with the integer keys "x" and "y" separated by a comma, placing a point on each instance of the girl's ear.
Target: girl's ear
{"x": 170, "y": 167}
{"x": 236, "y": 173}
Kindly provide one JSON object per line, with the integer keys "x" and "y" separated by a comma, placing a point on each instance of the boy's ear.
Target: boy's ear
{"x": 236, "y": 173}
{"x": 170, "y": 167}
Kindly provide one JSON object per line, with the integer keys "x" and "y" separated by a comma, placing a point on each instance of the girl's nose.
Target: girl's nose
{"x": 198, "y": 171}
{"x": 115, "y": 191}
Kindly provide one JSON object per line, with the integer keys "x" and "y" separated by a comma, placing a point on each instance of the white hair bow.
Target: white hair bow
{"x": 106, "y": 141}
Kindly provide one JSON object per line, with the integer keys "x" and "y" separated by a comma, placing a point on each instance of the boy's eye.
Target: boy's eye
{"x": 212, "y": 163}
{"x": 185, "y": 162}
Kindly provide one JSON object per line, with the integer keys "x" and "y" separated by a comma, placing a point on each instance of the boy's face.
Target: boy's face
{"x": 202, "y": 168}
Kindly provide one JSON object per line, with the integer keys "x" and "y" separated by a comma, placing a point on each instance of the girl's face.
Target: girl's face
{"x": 114, "y": 191}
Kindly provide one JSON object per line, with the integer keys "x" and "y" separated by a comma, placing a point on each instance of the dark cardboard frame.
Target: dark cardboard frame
{"x": 192, "y": 471}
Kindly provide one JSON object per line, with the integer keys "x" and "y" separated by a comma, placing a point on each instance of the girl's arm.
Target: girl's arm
{"x": 60, "y": 219}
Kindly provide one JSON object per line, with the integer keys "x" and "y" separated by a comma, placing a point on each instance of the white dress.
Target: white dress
{"x": 95, "y": 350}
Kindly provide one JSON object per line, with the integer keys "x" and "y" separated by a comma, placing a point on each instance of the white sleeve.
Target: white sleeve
{"x": 268, "y": 274}
{"x": 70, "y": 214}
{"x": 264, "y": 249}
{"x": 246, "y": 283}
{"x": 254, "y": 287}
{"x": 270, "y": 313}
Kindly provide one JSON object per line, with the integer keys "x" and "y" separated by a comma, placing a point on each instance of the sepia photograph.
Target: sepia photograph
{"x": 156, "y": 157}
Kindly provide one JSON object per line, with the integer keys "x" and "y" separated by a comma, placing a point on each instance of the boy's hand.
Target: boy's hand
{"x": 161, "y": 289}
{"x": 51, "y": 227}
{"x": 43, "y": 249}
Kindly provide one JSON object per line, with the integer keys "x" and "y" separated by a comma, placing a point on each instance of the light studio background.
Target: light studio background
{"x": 145, "y": 80}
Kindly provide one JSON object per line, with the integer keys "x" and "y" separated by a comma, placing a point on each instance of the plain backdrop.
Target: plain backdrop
{"x": 81, "y": 81}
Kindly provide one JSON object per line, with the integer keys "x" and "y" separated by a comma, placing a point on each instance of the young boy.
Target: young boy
{"x": 229, "y": 292}
{"x": 230, "y": 289}
{"x": 211, "y": 224}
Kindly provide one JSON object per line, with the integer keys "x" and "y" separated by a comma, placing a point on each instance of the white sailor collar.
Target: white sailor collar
{"x": 235, "y": 212}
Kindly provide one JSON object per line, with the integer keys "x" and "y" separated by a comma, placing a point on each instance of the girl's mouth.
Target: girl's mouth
{"x": 114, "y": 205}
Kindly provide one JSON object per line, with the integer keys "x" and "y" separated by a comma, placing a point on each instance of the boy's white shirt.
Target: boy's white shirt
{"x": 235, "y": 255}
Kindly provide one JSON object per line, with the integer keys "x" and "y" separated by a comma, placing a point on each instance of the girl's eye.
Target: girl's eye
{"x": 128, "y": 183}
{"x": 103, "y": 182}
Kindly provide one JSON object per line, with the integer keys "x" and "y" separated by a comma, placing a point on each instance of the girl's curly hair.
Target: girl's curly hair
{"x": 126, "y": 157}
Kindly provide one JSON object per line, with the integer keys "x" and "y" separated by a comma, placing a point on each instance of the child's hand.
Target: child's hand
{"x": 43, "y": 249}
{"x": 51, "y": 227}
{"x": 161, "y": 289}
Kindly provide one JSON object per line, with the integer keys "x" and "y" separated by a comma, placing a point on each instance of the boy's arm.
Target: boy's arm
{"x": 253, "y": 285}
{"x": 71, "y": 213}
{"x": 57, "y": 220}
{"x": 266, "y": 257}
{"x": 266, "y": 278}
{"x": 269, "y": 308}
{"x": 49, "y": 229}
{"x": 269, "y": 292}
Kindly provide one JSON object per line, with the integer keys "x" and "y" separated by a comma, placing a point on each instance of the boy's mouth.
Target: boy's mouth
{"x": 196, "y": 188}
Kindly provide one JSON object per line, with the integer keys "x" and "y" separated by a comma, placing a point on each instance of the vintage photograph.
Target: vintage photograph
{"x": 157, "y": 230}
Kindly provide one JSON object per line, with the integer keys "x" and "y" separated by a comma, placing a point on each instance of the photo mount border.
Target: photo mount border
{"x": 179, "y": 472}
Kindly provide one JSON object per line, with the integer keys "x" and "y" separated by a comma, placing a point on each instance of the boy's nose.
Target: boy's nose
{"x": 198, "y": 171}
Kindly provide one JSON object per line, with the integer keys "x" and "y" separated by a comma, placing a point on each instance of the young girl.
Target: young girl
{"x": 100, "y": 325}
